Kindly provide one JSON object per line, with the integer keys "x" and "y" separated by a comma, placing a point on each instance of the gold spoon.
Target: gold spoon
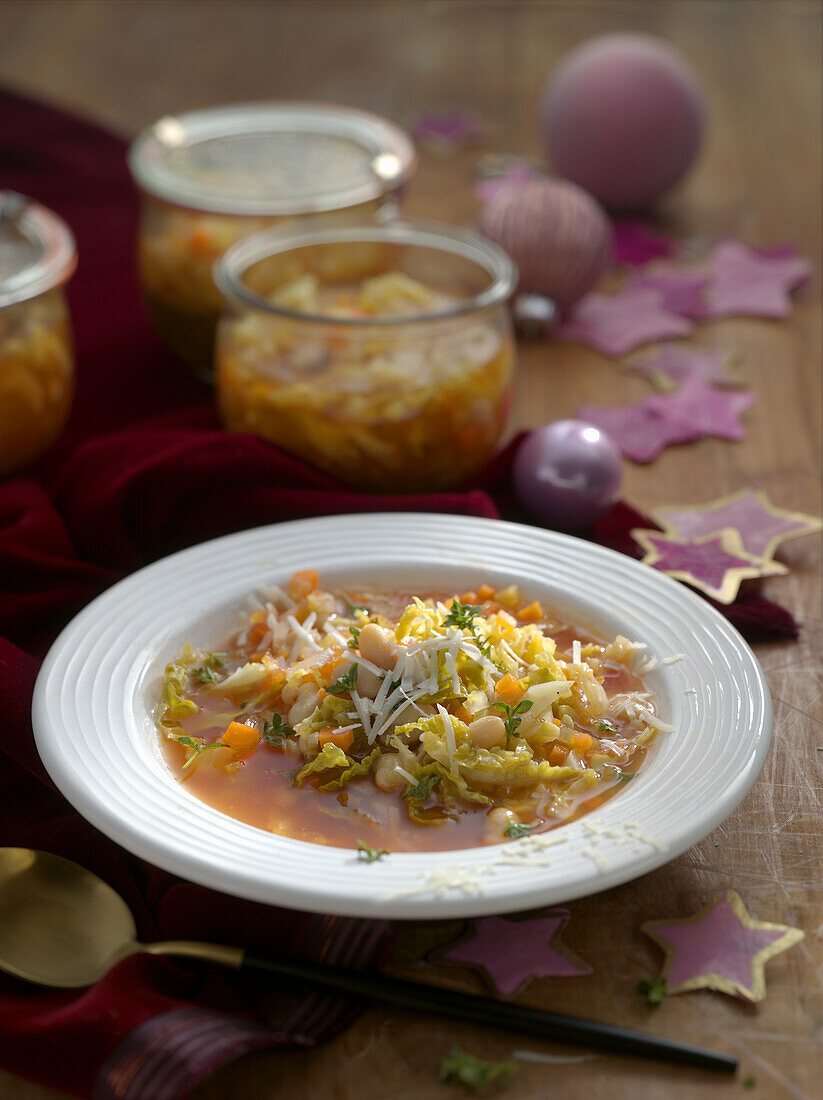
{"x": 60, "y": 925}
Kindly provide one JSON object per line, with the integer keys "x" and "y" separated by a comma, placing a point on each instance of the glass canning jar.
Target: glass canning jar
{"x": 37, "y": 258}
{"x": 384, "y": 397}
{"x": 209, "y": 178}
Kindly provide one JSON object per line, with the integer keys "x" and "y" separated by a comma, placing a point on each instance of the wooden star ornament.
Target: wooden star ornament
{"x": 720, "y": 947}
{"x": 510, "y": 953}
{"x": 762, "y": 527}
{"x": 716, "y": 564}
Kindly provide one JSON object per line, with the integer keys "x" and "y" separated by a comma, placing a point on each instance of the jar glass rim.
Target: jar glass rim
{"x": 233, "y": 265}
{"x": 391, "y": 151}
{"x": 52, "y": 240}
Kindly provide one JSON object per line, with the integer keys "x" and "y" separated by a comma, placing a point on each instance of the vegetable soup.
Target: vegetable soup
{"x": 406, "y": 721}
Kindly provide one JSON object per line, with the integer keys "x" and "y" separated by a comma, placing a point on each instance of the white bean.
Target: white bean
{"x": 376, "y": 646}
{"x": 498, "y": 820}
{"x": 307, "y": 699}
{"x": 386, "y": 776}
{"x": 487, "y": 732}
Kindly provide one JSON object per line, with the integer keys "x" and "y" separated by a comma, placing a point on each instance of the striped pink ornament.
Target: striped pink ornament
{"x": 556, "y": 233}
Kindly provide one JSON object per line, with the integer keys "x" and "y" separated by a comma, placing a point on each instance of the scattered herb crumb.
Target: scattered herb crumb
{"x": 368, "y": 854}
{"x": 654, "y": 991}
{"x": 462, "y": 1068}
{"x": 749, "y": 1082}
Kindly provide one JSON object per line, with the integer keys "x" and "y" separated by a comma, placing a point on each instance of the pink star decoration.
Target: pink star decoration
{"x": 708, "y": 411}
{"x": 511, "y": 953}
{"x": 634, "y": 241}
{"x": 720, "y": 947}
{"x": 644, "y": 429}
{"x": 745, "y": 281}
{"x": 761, "y": 526}
{"x": 716, "y": 565}
{"x": 447, "y": 130}
{"x": 495, "y": 176}
{"x": 670, "y": 365}
{"x": 615, "y": 324}
{"x": 683, "y": 289}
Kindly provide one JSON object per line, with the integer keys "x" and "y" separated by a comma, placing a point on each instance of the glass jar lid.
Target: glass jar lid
{"x": 37, "y": 250}
{"x": 271, "y": 158}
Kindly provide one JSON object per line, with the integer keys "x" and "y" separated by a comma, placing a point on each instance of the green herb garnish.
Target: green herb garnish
{"x": 520, "y": 828}
{"x": 606, "y": 727}
{"x": 423, "y": 789}
{"x": 654, "y": 991}
{"x": 368, "y": 854}
{"x": 198, "y": 746}
{"x": 514, "y": 716}
{"x": 276, "y": 731}
{"x": 463, "y": 1068}
{"x": 354, "y": 641}
{"x": 462, "y": 615}
{"x": 205, "y": 673}
{"x": 345, "y": 683}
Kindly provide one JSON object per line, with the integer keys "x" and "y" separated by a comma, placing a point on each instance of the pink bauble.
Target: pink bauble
{"x": 558, "y": 236}
{"x": 567, "y": 474}
{"x": 623, "y": 116}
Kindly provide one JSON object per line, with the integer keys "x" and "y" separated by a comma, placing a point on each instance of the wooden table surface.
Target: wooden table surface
{"x": 758, "y": 178}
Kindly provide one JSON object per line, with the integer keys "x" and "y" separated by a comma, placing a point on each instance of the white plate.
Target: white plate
{"x": 95, "y": 695}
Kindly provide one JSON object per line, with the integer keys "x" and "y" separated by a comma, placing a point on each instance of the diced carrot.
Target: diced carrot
{"x": 241, "y": 737}
{"x": 557, "y": 755}
{"x": 256, "y": 634}
{"x": 484, "y": 592}
{"x": 303, "y": 582}
{"x": 201, "y": 240}
{"x": 325, "y": 670}
{"x": 274, "y": 679}
{"x": 468, "y": 597}
{"x": 582, "y": 742}
{"x": 530, "y": 614}
{"x": 463, "y": 714}
{"x": 342, "y": 738}
{"x": 508, "y": 690}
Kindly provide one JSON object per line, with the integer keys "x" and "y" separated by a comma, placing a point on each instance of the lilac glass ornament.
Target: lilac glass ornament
{"x": 567, "y": 474}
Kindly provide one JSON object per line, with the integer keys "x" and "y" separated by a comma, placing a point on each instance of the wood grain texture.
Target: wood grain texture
{"x": 127, "y": 63}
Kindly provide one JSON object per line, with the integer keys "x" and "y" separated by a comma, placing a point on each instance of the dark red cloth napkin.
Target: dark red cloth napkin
{"x": 142, "y": 470}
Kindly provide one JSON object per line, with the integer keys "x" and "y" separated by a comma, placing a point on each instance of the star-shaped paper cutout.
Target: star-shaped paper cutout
{"x": 670, "y": 365}
{"x": 707, "y": 410}
{"x": 639, "y": 432}
{"x": 745, "y": 282}
{"x": 683, "y": 289}
{"x": 617, "y": 323}
{"x": 720, "y": 947}
{"x": 634, "y": 241}
{"x": 716, "y": 564}
{"x": 511, "y": 953}
{"x": 761, "y": 526}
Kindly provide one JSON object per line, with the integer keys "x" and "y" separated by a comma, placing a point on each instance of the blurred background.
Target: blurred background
{"x": 128, "y": 62}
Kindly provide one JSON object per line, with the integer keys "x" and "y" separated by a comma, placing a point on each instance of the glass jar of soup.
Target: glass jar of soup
{"x": 209, "y": 178}
{"x": 37, "y": 257}
{"x": 382, "y": 354}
